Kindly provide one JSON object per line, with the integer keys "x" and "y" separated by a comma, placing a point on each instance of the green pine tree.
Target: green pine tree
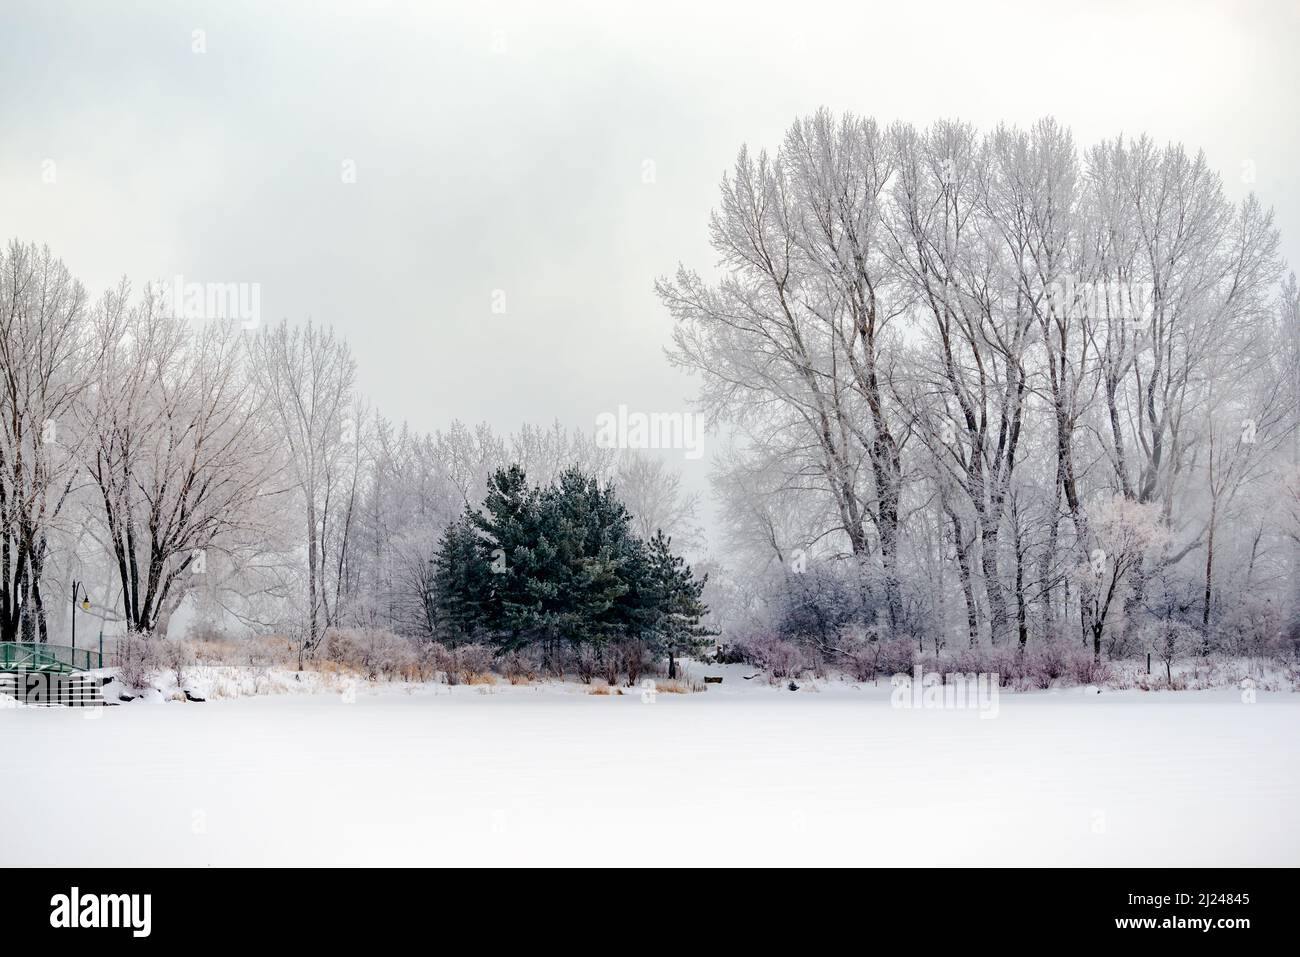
{"x": 560, "y": 565}
{"x": 462, "y": 585}
{"x": 675, "y": 603}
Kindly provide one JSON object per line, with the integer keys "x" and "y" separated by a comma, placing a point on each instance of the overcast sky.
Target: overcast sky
{"x": 503, "y": 146}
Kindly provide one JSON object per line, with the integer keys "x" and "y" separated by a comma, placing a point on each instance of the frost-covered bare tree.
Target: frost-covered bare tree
{"x": 469, "y": 456}
{"x": 789, "y": 341}
{"x": 46, "y": 357}
{"x": 174, "y": 448}
{"x": 1127, "y": 533}
{"x": 546, "y": 452}
{"x": 1169, "y": 366}
{"x": 652, "y": 491}
{"x": 959, "y": 202}
{"x": 306, "y": 377}
{"x": 414, "y": 486}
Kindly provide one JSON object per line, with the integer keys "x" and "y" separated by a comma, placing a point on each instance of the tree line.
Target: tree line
{"x": 999, "y": 388}
{"x": 160, "y": 459}
{"x": 976, "y": 389}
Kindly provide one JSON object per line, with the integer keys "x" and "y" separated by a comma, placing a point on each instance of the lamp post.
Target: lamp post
{"x": 85, "y": 606}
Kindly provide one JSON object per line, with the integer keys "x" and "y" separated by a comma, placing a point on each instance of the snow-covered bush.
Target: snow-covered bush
{"x": 374, "y": 652}
{"x": 176, "y": 655}
{"x": 1085, "y": 669}
{"x": 557, "y": 658}
{"x": 865, "y": 658}
{"x": 137, "y": 660}
{"x": 860, "y": 660}
{"x": 896, "y": 655}
{"x": 1126, "y": 535}
{"x": 1289, "y": 639}
{"x": 1252, "y": 628}
{"x": 1047, "y": 661}
{"x": 587, "y": 663}
{"x": 520, "y": 667}
{"x": 474, "y": 662}
{"x": 611, "y": 663}
{"x": 1168, "y": 641}
{"x": 461, "y": 664}
{"x": 813, "y": 608}
{"x": 1042, "y": 664}
{"x": 777, "y": 656}
{"x": 257, "y": 651}
{"x": 636, "y": 658}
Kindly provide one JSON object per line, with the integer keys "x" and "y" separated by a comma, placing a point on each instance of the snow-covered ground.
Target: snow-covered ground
{"x": 742, "y": 774}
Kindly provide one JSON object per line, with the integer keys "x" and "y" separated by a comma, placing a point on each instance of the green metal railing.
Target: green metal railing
{"x": 25, "y": 656}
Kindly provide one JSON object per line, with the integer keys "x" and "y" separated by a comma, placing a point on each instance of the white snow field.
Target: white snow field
{"x": 743, "y": 774}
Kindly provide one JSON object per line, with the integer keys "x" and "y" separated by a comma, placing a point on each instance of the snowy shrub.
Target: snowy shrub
{"x": 1250, "y": 629}
{"x": 611, "y": 663}
{"x": 867, "y": 653}
{"x": 587, "y": 663}
{"x": 374, "y": 652}
{"x": 1039, "y": 664}
{"x": 443, "y": 660}
{"x": 1168, "y": 641}
{"x": 1125, "y": 535}
{"x": 263, "y": 651}
{"x": 1084, "y": 669}
{"x": 815, "y": 663}
{"x": 777, "y": 656}
{"x": 787, "y": 660}
{"x": 678, "y": 686}
{"x": 175, "y": 655}
{"x": 474, "y": 662}
{"x": 137, "y": 660}
{"x": 344, "y": 647}
{"x": 1289, "y": 639}
{"x": 1007, "y": 662}
{"x": 1048, "y": 661}
{"x": 1017, "y": 669}
{"x": 896, "y": 656}
{"x": 556, "y": 658}
{"x": 977, "y": 660}
{"x": 520, "y": 667}
{"x": 1124, "y": 643}
{"x": 463, "y": 664}
{"x": 635, "y": 660}
{"x": 214, "y": 651}
{"x": 947, "y": 662}
{"x": 860, "y": 659}
{"x": 815, "y": 607}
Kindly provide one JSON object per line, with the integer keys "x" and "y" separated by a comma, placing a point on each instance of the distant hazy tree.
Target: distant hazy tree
{"x": 306, "y": 376}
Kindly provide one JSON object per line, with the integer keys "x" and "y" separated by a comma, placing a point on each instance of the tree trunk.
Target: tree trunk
{"x": 310, "y": 642}
{"x": 1021, "y": 612}
{"x": 963, "y": 566}
{"x": 1209, "y": 583}
{"x": 992, "y": 580}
